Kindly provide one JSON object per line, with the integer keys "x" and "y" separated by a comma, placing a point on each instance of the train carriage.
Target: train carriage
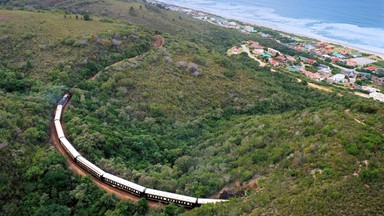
{"x": 201, "y": 201}
{"x": 58, "y": 111}
{"x": 59, "y": 130}
{"x": 90, "y": 167}
{"x": 73, "y": 153}
{"x": 123, "y": 184}
{"x": 167, "y": 197}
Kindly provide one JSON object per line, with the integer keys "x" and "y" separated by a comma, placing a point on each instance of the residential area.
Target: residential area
{"x": 319, "y": 61}
{"x": 329, "y": 64}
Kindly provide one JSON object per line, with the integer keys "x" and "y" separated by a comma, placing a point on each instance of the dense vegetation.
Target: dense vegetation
{"x": 183, "y": 118}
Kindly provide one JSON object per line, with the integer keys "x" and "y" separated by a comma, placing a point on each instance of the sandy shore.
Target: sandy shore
{"x": 286, "y": 31}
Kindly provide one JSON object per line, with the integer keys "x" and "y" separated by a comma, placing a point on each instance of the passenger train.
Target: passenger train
{"x": 117, "y": 182}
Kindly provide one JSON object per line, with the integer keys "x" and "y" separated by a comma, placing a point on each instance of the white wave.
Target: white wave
{"x": 368, "y": 39}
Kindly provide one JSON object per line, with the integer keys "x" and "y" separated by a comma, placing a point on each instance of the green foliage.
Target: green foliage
{"x": 87, "y": 17}
{"x": 135, "y": 114}
{"x": 11, "y": 81}
{"x": 370, "y": 175}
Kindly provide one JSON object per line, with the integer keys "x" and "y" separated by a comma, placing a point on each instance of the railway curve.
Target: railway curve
{"x": 113, "y": 184}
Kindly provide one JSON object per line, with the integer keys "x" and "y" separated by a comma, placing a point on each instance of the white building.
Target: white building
{"x": 249, "y": 29}
{"x": 370, "y": 89}
{"x": 338, "y": 78}
{"x": 377, "y": 96}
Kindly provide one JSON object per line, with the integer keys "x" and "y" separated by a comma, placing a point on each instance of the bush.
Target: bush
{"x": 369, "y": 175}
{"x": 87, "y": 17}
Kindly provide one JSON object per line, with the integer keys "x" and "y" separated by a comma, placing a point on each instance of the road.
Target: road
{"x": 250, "y": 55}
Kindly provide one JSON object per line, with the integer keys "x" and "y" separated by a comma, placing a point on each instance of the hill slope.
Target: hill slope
{"x": 182, "y": 118}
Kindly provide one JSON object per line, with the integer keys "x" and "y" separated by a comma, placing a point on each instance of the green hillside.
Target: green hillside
{"x": 183, "y": 118}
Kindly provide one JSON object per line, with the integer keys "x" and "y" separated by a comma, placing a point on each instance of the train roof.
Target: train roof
{"x": 205, "y": 201}
{"x": 171, "y": 195}
{"x": 91, "y": 165}
{"x": 58, "y": 112}
{"x": 70, "y": 147}
{"x": 59, "y": 129}
{"x": 124, "y": 182}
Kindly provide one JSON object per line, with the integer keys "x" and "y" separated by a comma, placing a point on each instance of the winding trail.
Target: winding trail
{"x": 80, "y": 171}
{"x": 246, "y": 49}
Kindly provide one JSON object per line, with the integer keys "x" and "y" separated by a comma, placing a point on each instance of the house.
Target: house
{"x": 357, "y": 55}
{"x": 324, "y": 66}
{"x": 338, "y": 78}
{"x": 310, "y": 61}
{"x": 249, "y": 29}
{"x": 379, "y": 71}
{"x": 309, "y": 47}
{"x": 370, "y": 89}
{"x": 273, "y": 62}
{"x": 330, "y": 47}
{"x": 338, "y": 55}
{"x": 371, "y": 68}
{"x": 281, "y": 58}
{"x": 356, "y": 86}
{"x": 364, "y": 75}
{"x": 302, "y": 58}
{"x": 313, "y": 76}
{"x": 377, "y": 96}
{"x": 273, "y": 51}
{"x": 290, "y": 58}
{"x": 324, "y": 70}
{"x": 312, "y": 53}
{"x": 235, "y": 50}
{"x": 380, "y": 80}
{"x": 294, "y": 68}
{"x": 351, "y": 62}
{"x": 335, "y": 59}
{"x": 265, "y": 55}
{"x": 345, "y": 51}
{"x": 257, "y": 46}
{"x": 350, "y": 74}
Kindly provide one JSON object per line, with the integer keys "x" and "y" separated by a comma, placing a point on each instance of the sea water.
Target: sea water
{"x": 356, "y": 23}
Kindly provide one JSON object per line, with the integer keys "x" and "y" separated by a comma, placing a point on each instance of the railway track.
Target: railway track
{"x": 113, "y": 184}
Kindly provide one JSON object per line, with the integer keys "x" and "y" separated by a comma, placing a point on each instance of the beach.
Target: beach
{"x": 369, "y": 39}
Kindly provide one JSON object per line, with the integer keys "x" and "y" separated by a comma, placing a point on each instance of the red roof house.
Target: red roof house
{"x": 371, "y": 68}
{"x": 310, "y": 61}
{"x": 281, "y": 58}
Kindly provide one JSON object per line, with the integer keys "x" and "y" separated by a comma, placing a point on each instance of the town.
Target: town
{"x": 319, "y": 61}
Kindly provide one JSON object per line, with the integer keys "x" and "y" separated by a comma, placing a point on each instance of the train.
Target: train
{"x": 115, "y": 181}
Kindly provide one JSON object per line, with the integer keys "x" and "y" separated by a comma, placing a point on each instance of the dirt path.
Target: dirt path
{"x": 347, "y": 111}
{"x": 312, "y": 85}
{"x": 245, "y": 49}
{"x": 361, "y": 94}
{"x": 80, "y": 171}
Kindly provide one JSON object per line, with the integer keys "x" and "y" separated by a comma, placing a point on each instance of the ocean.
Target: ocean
{"x": 355, "y": 23}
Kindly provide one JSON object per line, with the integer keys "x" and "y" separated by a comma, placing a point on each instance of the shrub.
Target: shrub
{"x": 87, "y": 17}
{"x": 369, "y": 175}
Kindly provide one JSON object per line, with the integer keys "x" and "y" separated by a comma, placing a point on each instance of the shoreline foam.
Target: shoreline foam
{"x": 277, "y": 27}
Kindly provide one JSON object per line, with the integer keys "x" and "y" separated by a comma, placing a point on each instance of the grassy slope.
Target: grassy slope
{"x": 34, "y": 177}
{"x": 39, "y": 38}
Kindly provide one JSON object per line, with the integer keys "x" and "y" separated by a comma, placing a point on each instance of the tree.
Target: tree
{"x": 142, "y": 207}
{"x": 87, "y": 17}
{"x": 359, "y": 82}
{"x": 132, "y": 11}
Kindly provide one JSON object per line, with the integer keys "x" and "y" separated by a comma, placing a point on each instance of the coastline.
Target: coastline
{"x": 275, "y": 27}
